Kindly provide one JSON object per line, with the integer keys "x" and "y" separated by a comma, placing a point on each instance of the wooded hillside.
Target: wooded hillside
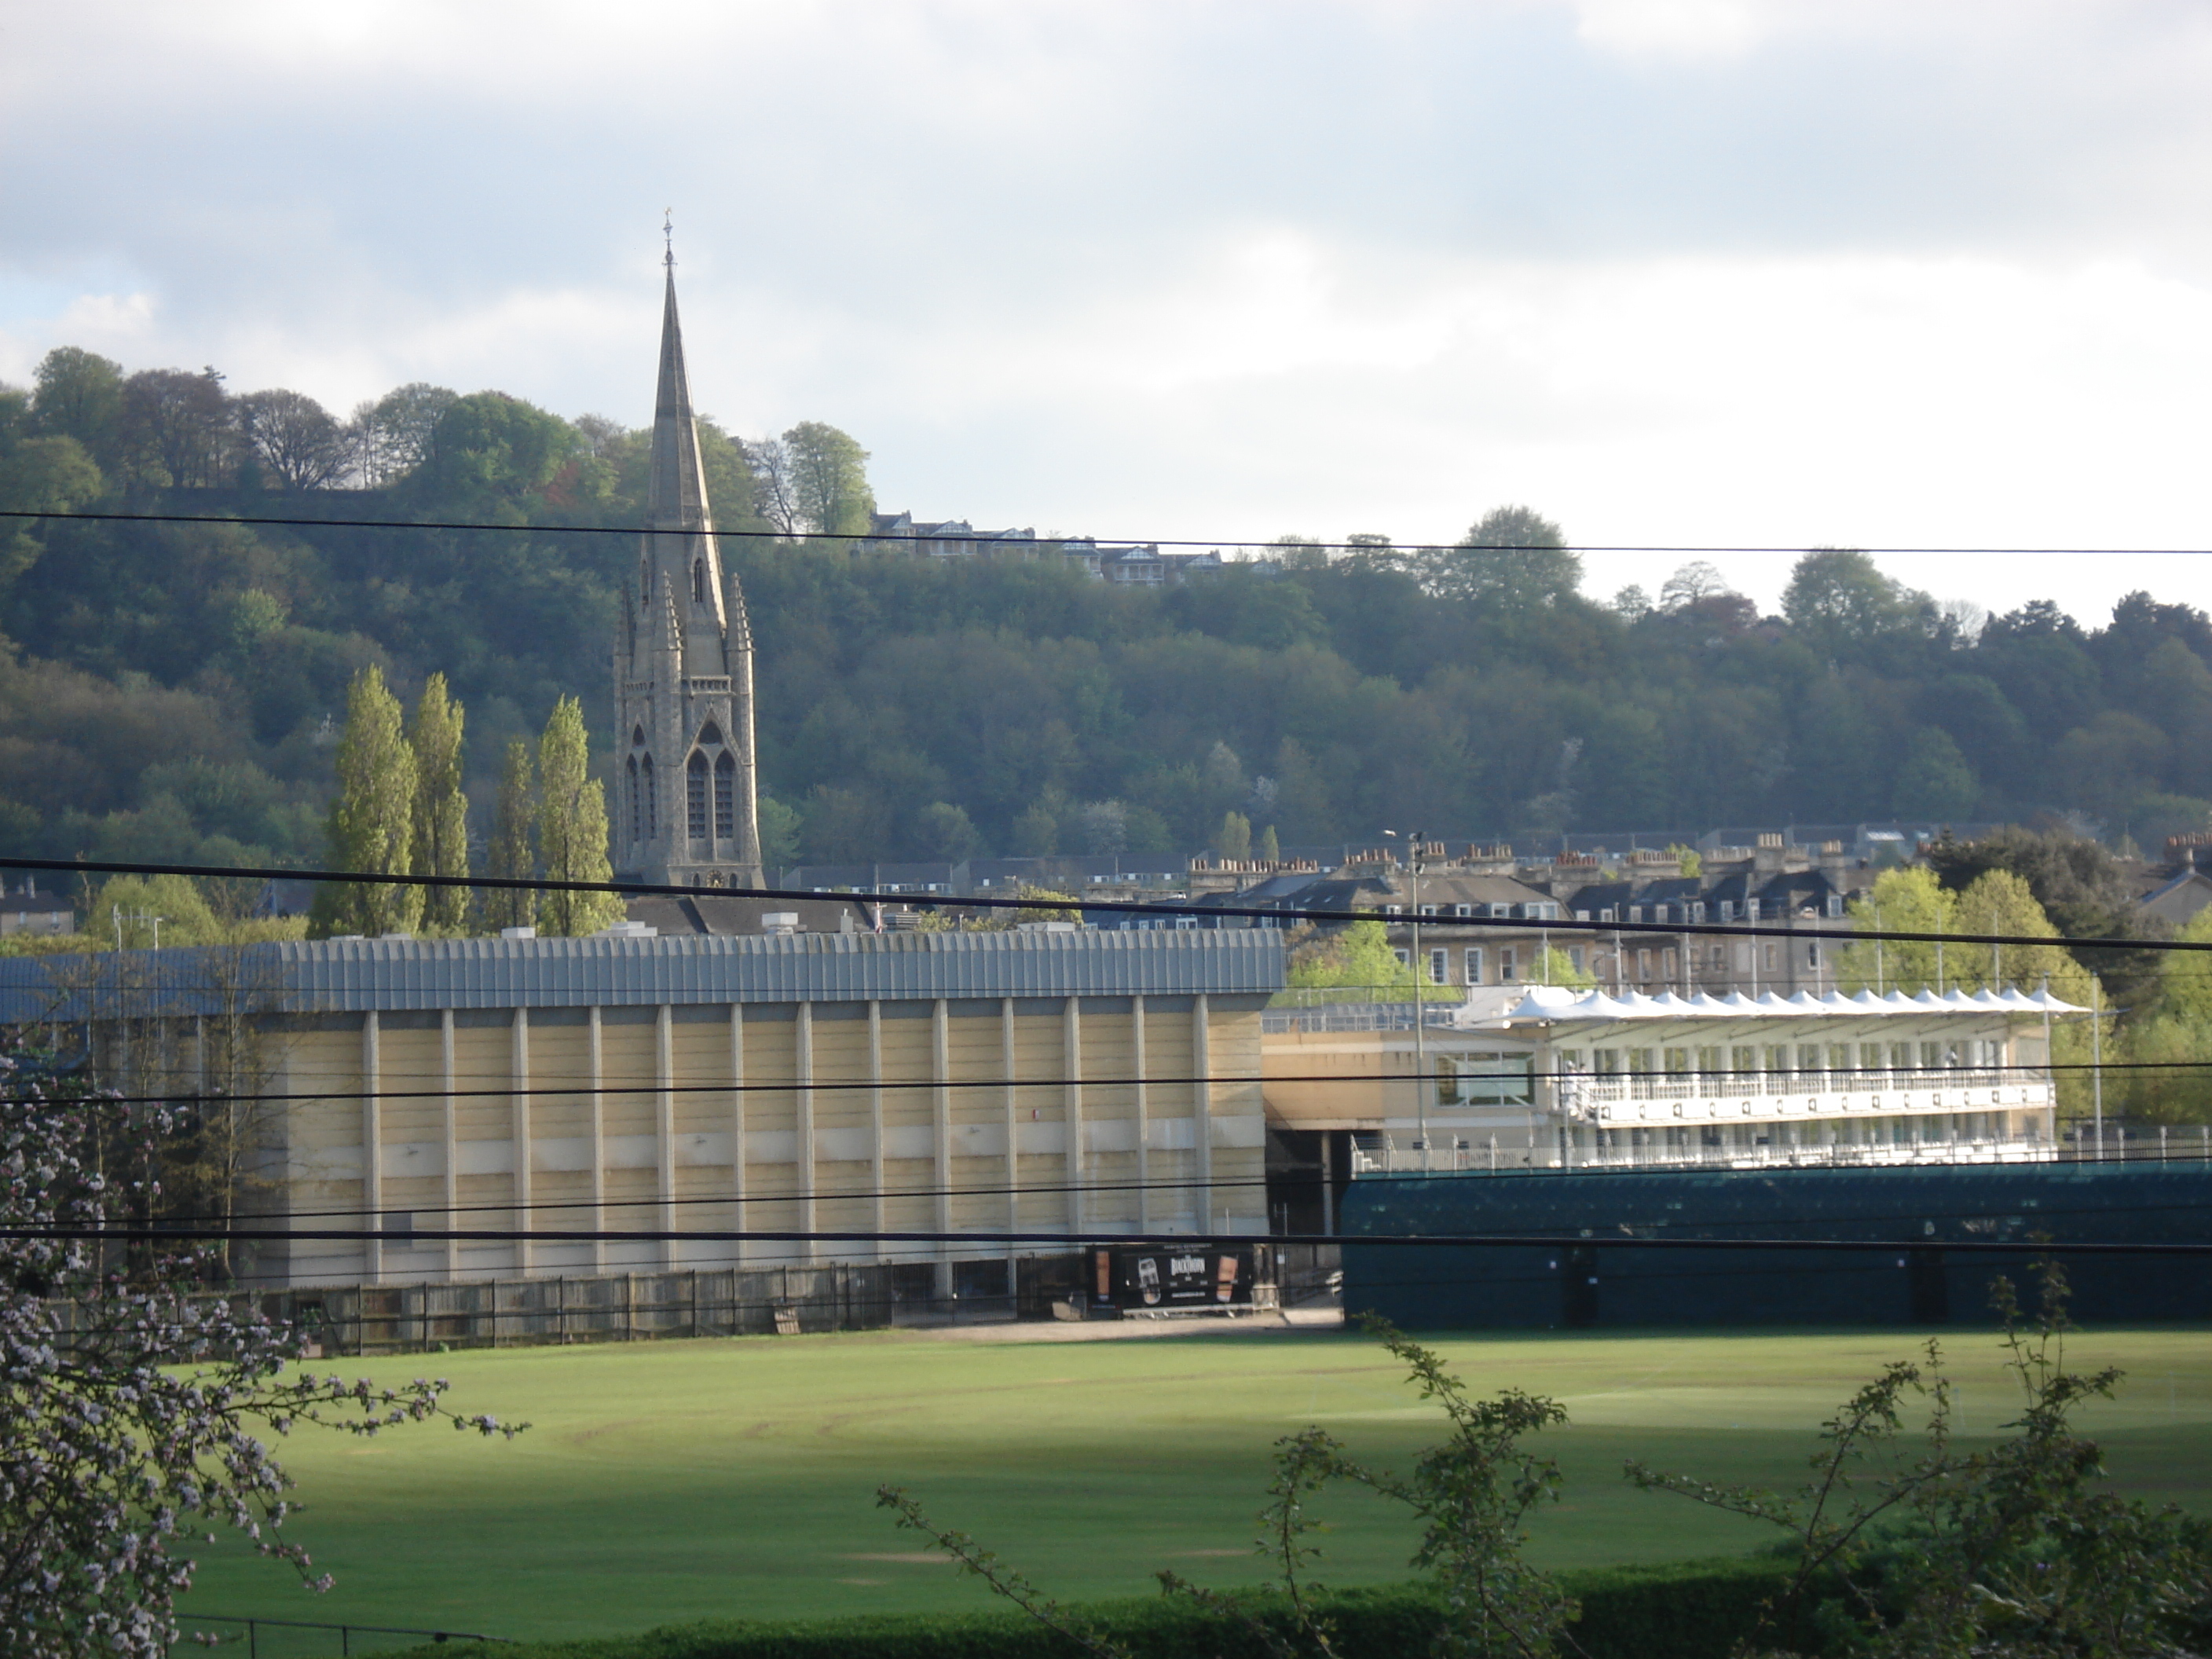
{"x": 167, "y": 691}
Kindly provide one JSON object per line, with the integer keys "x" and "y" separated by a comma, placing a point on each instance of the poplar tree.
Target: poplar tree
{"x": 572, "y": 828}
{"x": 441, "y": 810}
{"x": 511, "y": 854}
{"x": 372, "y": 821}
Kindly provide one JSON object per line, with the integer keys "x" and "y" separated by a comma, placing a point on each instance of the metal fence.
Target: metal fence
{"x": 373, "y": 1319}
{"x": 300, "y": 1638}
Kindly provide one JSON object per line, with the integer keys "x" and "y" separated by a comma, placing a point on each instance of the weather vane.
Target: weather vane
{"x": 668, "y": 235}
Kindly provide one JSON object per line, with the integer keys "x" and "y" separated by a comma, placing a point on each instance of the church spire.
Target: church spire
{"x": 676, "y": 498}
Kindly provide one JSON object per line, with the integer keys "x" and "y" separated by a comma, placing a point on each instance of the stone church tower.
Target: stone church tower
{"x": 684, "y": 807}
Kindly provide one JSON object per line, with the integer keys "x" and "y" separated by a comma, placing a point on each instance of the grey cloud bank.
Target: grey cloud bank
{"x": 1676, "y": 271}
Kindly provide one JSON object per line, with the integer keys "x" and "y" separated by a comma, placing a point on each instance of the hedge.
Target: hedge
{"x": 1684, "y": 1610}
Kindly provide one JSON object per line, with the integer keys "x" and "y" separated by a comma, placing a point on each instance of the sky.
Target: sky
{"x": 1676, "y": 273}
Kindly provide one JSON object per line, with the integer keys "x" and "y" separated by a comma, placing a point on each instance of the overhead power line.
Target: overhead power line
{"x": 186, "y": 1096}
{"x": 1076, "y": 902}
{"x": 1278, "y": 1183}
{"x": 1143, "y": 1240}
{"x": 1265, "y": 544}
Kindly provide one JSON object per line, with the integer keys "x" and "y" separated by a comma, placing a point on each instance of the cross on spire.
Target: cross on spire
{"x": 668, "y": 236}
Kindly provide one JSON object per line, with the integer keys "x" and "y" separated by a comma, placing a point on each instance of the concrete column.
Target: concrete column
{"x": 664, "y": 1127}
{"x": 1202, "y": 1104}
{"x": 877, "y": 1211}
{"x": 599, "y": 1210}
{"x": 1012, "y": 1164}
{"x": 737, "y": 1127}
{"x": 802, "y": 1042}
{"x": 451, "y": 1130}
{"x": 940, "y": 1132}
{"x": 518, "y": 1071}
{"x": 372, "y": 1147}
{"x": 1072, "y": 1162}
{"x": 1144, "y": 1121}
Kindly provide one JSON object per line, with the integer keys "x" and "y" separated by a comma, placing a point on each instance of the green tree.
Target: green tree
{"x": 510, "y": 852}
{"x": 1840, "y": 602}
{"x": 1513, "y": 559}
{"x": 125, "y": 907}
{"x": 779, "y": 835}
{"x": 1270, "y": 848}
{"x": 372, "y": 823}
{"x": 1910, "y": 901}
{"x": 1357, "y": 960}
{"x": 945, "y": 832}
{"x": 572, "y": 828}
{"x": 38, "y": 474}
{"x": 829, "y": 479}
{"x": 1233, "y": 840}
{"x": 1554, "y": 966}
{"x": 2175, "y": 1032}
{"x": 1935, "y": 781}
{"x": 80, "y": 396}
{"x": 441, "y": 810}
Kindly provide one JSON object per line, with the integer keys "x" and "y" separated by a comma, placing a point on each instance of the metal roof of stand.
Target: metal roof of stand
{"x": 354, "y": 975}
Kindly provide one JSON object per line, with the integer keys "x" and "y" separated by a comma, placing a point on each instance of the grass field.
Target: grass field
{"x": 692, "y": 1479}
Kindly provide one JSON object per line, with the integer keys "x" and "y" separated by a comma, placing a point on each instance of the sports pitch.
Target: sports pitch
{"x": 681, "y": 1481}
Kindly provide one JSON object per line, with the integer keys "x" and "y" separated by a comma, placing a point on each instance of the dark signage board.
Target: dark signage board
{"x": 1201, "y": 1276}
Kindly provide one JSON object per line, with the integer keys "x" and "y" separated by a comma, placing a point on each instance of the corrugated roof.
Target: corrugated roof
{"x": 354, "y": 975}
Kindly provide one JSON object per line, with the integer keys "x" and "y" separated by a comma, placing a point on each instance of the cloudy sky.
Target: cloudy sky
{"x": 1927, "y": 275}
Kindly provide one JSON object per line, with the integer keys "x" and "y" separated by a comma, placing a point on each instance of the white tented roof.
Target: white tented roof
{"x": 1558, "y": 1002}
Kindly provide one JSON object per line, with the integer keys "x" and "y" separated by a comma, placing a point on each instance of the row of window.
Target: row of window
{"x": 1695, "y": 911}
{"x": 1849, "y": 1058}
{"x": 1665, "y": 962}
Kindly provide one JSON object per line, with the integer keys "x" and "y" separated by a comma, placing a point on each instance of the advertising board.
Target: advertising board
{"x": 1165, "y": 1280}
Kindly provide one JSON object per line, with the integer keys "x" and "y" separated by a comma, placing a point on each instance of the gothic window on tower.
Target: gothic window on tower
{"x": 698, "y": 581}
{"x": 725, "y": 790}
{"x": 651, "y": 797}
{"x": 636, "y": 805}
{"x": 695, "y": 794}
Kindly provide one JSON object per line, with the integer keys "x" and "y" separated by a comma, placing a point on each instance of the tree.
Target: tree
{"x": 829, "y": 481}
{"x": 1935, "y": 781}
{"x": 490, "y": 451}
{"x": 1233, "y": 840}
{"x": 1554, "y": 966}
{"x": 510, "y": 856}
{"x": 80, "y": 396}
{"x": 404, "y": 422}
{"x": 124, "y": 908}
{"x": 1036, "y": 832}
{"x": 1840, "y": 601}
{"x": 180, "y": 424}
{"x": 292, "y": 437}
{"x": 371, "y": 822}
{"x": 572, "y": 828}
{"x": 946, "y": 833}
{"x": 1911, "y": 900}
{"x": 441, "y": 810}
{"x": 135, "y": 1412}
{"x": 38, "y": 474}
{"x": 1357, "y": 958}
{"x": 1513, "y": 560}
{"x": 779, "y": 835}
{"x": 1694, "y": 581}
{"x": 1268, "y": 849}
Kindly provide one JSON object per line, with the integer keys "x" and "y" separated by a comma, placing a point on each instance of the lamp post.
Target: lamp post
{"x": 1413, "y": 844}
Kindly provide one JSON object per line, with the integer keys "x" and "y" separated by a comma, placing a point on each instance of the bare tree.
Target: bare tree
{"x": 294, "y": 437}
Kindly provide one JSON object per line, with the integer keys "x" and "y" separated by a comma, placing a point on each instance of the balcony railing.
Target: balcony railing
{"x": 1722, "y": 1097}
{"x": 1383, "y": 1155}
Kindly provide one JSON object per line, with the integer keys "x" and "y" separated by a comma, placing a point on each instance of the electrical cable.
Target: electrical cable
{"x": 1273, "y": 1183}
{"x": 1047, "y": 542}
{"x": 185, "y": 1097}
{"x": 140, "y": 1234}
{"x": 1066, "y": 902}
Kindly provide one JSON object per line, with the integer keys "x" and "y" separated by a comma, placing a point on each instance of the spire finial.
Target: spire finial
{"x": 668, "y": 236}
